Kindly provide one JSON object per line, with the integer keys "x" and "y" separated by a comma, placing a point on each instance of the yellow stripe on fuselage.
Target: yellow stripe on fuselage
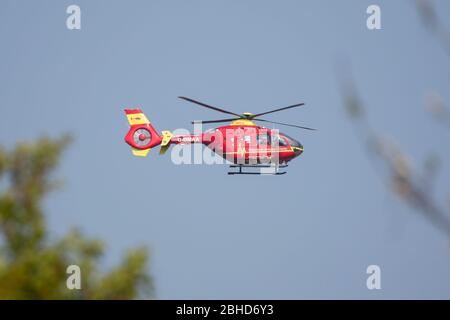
{"x": 240, "y": 152}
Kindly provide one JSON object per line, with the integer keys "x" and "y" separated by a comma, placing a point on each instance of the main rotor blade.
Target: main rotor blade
{"x": 209, "y": 107}
{"x": 215, "y": 121}
{"x": 284, "y": 124}
{"x": 276, "y": 110}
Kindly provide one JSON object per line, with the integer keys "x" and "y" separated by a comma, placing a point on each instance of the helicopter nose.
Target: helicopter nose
{"x": 298, "y": 150}
{"x": 297, "y": 147}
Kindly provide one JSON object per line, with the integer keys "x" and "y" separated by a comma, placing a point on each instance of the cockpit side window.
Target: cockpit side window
{"x": 282, "y": 142}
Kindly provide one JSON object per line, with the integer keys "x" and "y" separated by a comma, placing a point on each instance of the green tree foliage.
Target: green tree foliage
{"x": 32, "y": 265}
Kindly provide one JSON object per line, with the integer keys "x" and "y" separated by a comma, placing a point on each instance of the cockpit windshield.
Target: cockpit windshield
{"x": 292, "y": 142}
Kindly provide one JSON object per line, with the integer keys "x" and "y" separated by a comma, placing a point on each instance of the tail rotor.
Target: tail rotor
{"x": 142, "y": 136}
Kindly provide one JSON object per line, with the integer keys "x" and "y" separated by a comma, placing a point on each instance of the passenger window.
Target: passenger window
{"x": 263, "y": 138}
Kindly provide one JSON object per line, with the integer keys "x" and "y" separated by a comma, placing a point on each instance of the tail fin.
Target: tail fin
{"x": 142, "y": 136}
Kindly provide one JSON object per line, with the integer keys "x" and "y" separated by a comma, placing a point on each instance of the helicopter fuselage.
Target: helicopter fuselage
{"x": 245, "y": 142}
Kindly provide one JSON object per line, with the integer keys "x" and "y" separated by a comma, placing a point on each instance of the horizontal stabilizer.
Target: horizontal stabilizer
{"x": 163, "y": 149}
{"x": 167, "y": 135}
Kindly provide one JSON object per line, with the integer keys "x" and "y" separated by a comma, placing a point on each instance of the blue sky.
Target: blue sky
{"x": 308, "y": 234}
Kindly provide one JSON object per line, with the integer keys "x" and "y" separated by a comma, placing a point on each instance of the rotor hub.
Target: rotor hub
{"x": 247, "y": 115}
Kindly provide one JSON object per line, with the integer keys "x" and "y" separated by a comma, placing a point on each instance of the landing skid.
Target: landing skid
{"x": 271, "y": 170}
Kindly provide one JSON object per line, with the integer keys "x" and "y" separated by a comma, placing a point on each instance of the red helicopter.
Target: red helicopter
{"x": 242, "y": 143}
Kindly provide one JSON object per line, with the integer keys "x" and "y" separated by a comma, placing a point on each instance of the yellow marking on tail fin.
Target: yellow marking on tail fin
{"x": 140, "y": 153}
{"x": 137, "y": 118}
